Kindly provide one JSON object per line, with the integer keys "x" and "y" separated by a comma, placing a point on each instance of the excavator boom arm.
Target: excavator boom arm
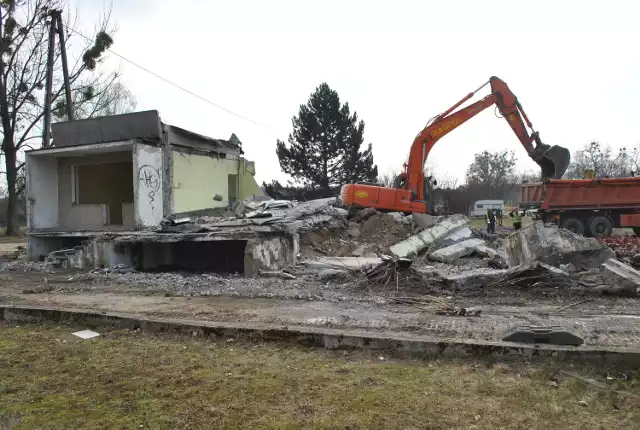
{"x": 509, "y": 108}
{"x": 409, "y": 196}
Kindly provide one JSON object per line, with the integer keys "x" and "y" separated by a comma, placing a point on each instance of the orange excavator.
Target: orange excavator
{"x": 411, "y": 187}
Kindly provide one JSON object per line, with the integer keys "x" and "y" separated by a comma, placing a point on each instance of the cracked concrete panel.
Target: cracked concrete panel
{"x": 414, "y": 244}
{"x": 549, "y": 244}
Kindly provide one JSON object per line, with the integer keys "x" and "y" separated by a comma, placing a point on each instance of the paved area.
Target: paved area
{"x": 601, "y": 321}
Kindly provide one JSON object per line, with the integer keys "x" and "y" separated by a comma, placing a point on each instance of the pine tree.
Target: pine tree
{"x": 324, "y": 147}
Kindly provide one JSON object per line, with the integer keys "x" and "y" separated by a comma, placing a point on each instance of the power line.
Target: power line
{"x": 176, "y": 85}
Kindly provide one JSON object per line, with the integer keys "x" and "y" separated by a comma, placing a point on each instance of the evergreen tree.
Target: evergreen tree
{"x": 324, "y": 148}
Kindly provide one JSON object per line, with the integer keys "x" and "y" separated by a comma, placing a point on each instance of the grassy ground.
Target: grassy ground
{"x": 50, "y": 379}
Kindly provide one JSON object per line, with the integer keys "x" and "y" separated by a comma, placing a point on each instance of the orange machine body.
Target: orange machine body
{"x": 383, "y": 198}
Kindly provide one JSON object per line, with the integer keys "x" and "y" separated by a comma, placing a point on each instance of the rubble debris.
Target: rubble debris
{"x": 484, "y": 250}
{"x": 281, "y": 215}
{"x": 553, "y": 335}
{"x": 457, "y": 236}
{"x": 276, "y": 274}
{"x": 423, "y": 221}
{"x": 353, "y": 232}
{"x": 343, "y": 262}
{"x": 635, "y": 261}
{"x": 392, "y": 273}
{"x": 497, "y": 262}
{"x": 533, "y": 275}
{"x": 624, "y": 246}
{"x": 482, "y": 234}
{"x": 175, "y": 221}
{"x": 364, "y": 214}
{"x": 414, "y": 244}
{"x": 562, "y": 308}
{"x": 258, "y": 214}
{"x": 336, "y": 275}
{"x": 569, "y": 268}
{"x": 401, "y": 218}
{"x": 371, "y": 237}
{"x": 625, "y": 278}
{"x": 118, "y": 268}
{"x": 359, "y": 251}
{"x": 444, "y": 307}
{"x": 457, "y": 250}
{"x": 470, "y": 278}
{"x": 549, "y": 244}
{"x": 457, "y": 311}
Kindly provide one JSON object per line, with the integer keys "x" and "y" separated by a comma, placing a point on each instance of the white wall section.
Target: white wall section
{"x": 42, "y": 192}
{"x": 148, "y": 190}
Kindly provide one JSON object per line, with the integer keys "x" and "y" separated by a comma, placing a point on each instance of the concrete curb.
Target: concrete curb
{"x": 394, "y": 344}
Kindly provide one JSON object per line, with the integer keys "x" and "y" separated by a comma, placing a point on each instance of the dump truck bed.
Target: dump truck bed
{"x": 568, "y": 194}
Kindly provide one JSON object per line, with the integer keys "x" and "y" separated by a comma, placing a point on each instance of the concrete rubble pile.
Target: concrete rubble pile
{"x": 544, "y": 255}
{"x": 286, "y": 215}
{"x": 451, "y": 253}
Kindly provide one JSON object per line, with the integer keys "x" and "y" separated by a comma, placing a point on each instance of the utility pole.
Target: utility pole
{"x": 55, "y": 27}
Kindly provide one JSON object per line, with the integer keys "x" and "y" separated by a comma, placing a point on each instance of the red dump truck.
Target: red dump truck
{"x": 592, "y": 207}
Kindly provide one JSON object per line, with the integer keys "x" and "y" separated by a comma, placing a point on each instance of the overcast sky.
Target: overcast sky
{"x": 574, "y": 65}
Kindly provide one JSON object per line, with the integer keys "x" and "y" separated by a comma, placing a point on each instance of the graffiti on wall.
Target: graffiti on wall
{"x": 149, "y": 178}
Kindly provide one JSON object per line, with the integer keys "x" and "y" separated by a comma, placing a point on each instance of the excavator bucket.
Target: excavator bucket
{"x": 553, "y": 160}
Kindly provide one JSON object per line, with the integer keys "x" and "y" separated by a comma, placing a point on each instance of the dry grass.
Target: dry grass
{"x": 50, "y": 379}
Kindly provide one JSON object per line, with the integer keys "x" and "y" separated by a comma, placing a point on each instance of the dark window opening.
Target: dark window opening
{"x": 220, "y": 256}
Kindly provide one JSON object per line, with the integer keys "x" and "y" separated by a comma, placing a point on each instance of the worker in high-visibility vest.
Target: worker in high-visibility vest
{"x": 490, "y": 218}
{"x": 517, "y": 218}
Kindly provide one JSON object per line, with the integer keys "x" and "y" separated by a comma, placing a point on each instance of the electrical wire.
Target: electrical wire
{"x": 191, "y": 93}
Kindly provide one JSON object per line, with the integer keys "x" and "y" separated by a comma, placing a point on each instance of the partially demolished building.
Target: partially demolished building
{"x": 113, "y": 177}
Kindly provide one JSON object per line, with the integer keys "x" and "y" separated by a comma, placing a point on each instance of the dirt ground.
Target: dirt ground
{"x": 372, "y": 236}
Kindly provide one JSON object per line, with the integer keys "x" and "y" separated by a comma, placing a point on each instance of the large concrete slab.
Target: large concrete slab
{"x": 624, "y": 275}
{"x": 457, "y": 250}
{"x": 551, "y": 245}
{"x": 414, "y": 244}
{"x": 342, "y": 262}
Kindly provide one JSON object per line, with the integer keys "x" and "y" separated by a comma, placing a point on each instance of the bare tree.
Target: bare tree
{"x": 491, "y": 171}
{"x": 103, "y": 98}
{"x": 446, "y": 181}
{"x": 24, "y": 28}
{"x": 634, "y": 161}
{"x": 388, "y": 179}
{"x": 602, "y": 162}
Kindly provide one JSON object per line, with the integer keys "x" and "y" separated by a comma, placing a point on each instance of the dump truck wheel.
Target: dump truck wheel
{"x": 574, "y": 225}
{"x": 600, "y": 226}
{"x": 636, "y": 230}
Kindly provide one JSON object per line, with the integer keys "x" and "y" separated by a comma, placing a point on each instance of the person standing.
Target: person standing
{"x": 490, "y": 217}
{"x": 517, "y": 218}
